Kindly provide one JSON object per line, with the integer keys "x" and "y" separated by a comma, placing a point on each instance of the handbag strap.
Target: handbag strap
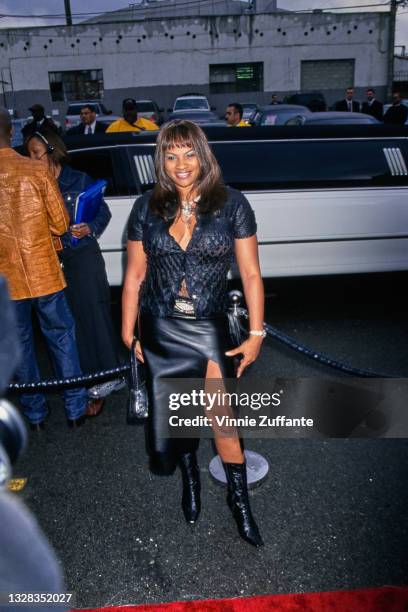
{"x": 133, "y": 366}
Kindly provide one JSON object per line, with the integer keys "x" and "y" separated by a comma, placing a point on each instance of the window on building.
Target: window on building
{"x": 232, "y": 78}
{"x": 327, "y": 74}
{"x": 76, "y": 85}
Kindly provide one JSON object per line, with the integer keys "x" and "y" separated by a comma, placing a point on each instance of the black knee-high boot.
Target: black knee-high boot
{"x": 238, "y": 502}
{"x": 190, "y": 501}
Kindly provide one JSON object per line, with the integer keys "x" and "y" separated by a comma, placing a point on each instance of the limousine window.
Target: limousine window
{"x": 142, "y": 161}
{"x": 316, "y": 164}
{"x": 100, "y": 164}
{"x": 254, "y": 165}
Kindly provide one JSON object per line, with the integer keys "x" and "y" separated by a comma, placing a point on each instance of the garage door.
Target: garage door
{"x": 327, "y": 74}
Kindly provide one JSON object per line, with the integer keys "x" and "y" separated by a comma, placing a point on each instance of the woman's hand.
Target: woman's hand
{"x": 250, "y": 351}
{"x": 80, "y": 230}
{"x": 128, "y": 341}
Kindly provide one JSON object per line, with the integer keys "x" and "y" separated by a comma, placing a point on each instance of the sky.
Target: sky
{"x": 24, "y": 7}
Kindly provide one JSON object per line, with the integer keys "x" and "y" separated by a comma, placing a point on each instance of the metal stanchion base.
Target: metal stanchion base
{"x": 257, "y": 469}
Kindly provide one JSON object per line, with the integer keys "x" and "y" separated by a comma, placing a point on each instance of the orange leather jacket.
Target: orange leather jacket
{"x": 31, "y": 212}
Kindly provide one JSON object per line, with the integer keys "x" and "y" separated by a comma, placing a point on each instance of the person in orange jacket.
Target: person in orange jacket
{"x": 32, "y": 213}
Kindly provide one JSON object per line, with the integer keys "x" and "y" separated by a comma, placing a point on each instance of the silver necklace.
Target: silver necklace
{"x": 188, "y": 210}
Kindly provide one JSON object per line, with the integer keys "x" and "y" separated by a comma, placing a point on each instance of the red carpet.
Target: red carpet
{"x": 384, "y": 599}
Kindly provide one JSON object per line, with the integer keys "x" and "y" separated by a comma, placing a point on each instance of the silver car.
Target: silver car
{"x": 333, "y": 118}
{"x": 193, "y": 102}
{"x": 203, "y": 117}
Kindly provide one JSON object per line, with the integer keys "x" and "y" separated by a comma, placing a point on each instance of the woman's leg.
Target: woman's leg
{"x": 229, "y": 448}
{"x": 226, "y": 440}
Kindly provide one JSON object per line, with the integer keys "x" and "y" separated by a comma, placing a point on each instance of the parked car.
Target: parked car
{"x": 150, "y": 110}
{"x": 328, "y": 200}
{"x": 278, "y": 114}
{"x": 314, "y": 100}
{"x": 102, "y": 113}
{"x": 190, "y": 102}
{"x": 249, "y": 110}
{"x": 200, "y": 117}
{"x": 387, "y": 106}
{"x": 333, "y": 118}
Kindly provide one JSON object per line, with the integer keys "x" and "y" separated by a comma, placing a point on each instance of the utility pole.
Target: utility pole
{"x": 4, "y": 92}
{"x": 68, "y": 14}
{"x": 394, "y": 4}
{"x": 391, "y": 45}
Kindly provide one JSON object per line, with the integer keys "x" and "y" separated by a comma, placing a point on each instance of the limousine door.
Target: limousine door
{"x": 324, "y": 206}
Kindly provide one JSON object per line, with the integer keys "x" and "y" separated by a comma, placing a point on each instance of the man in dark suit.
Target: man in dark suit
{"x": 89, "y": 124}
{"x": 372, "y": 107}
{"x": 398, "y": 112}
{"x": 348, "y": 105}
{"x": 39, "y": 122}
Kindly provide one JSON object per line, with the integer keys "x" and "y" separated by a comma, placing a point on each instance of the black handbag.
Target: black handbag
{"x": 237, "y": 331}
{"x": 236, "y": 328}
{"x": 137, "y": 410}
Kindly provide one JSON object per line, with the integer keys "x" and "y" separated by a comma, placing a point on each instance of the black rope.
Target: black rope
{"x": 77, "y": 381}
{"x": 317, "y": 355}
{"x": 88, "y": 379}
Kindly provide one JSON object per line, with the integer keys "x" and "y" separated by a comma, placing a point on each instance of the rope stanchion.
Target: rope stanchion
{"x": 320, "y": 357}
{"x": 239, "y": 313}
{"x": 77, "y": 381}
{"x": 236, "y": 297}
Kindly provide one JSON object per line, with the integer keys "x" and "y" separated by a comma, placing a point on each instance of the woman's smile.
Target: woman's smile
{"x": 182, "y": 167}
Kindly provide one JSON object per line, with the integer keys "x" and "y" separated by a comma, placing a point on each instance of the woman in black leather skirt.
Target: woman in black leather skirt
{"x": 182, "y": 238}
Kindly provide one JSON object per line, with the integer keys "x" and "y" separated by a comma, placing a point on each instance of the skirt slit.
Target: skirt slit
{"x": 178, "y": 347}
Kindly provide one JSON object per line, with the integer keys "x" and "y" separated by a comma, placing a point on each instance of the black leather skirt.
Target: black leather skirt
{"x": 178, "y": 347}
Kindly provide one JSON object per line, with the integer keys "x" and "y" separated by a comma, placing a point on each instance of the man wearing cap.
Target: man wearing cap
{"x": 130, "y": 122}
{"x": 39, "y": 122}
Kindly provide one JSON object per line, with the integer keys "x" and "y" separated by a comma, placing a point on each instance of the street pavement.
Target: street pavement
{"x": 332, "y": 511}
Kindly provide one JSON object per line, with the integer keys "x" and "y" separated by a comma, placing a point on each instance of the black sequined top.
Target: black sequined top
{"x": 203, "y": 266}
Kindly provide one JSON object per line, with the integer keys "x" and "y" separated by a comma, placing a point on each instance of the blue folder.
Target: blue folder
{"x": 88, "y": 203}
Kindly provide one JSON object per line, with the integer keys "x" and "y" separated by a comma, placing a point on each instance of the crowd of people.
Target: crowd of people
{"x": 54, "y": 266}
{"x": 396, "y": 114}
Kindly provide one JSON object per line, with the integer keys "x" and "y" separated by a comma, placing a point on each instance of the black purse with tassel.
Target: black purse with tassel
{"x": 235, "y": 322}
{"x": 137, "y": 410}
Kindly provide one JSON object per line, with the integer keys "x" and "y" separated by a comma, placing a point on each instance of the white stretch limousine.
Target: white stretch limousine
{"x": 328, "y": 200}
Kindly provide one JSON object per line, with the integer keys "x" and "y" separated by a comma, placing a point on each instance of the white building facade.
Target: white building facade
{"x": 241, "y": 54}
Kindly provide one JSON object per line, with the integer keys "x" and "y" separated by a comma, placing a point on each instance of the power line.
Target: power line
{"x": 198, "y": 3}
{"x": 134, "y": 9}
